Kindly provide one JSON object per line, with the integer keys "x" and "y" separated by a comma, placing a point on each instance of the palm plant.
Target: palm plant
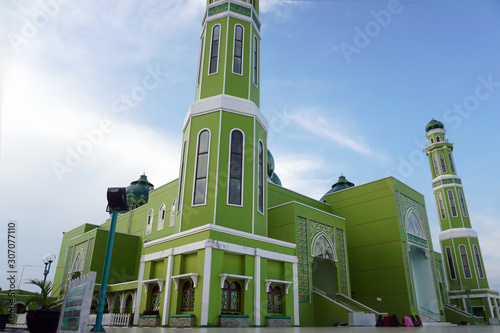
{"x": 43, "y": 300}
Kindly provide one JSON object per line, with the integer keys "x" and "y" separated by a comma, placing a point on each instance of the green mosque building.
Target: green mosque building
{"x": 225, "y": 244}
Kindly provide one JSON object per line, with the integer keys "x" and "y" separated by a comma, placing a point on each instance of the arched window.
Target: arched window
{"x": 478, "y": 261}
{"x": 214, "y": 50}
{"x": 432, "y": 140}
{"x": 443, "y": 163}
{"x": 452, "y": 165}
{"x": 413, "y": 225}
{"x": 172, "y": 213}
{"x": 188, "y": 296}
{"x": 274, "y": 300}
{"x": 261, "y": 178}
{"x": 465, "y": 261}
{"x": 149, "y": 222}
{"x": 201, "y": 171}
{"x": 441, "y": 206}
{"x": 77, "y": 264}
{"x": 322, "y": 248}
{"x": 183, "y": 158}
{"x": 238, "y": 50}
{"x": 434, "y": 162}
{"x": 161, "y": 218}
{"x": 462, "y": 202}
{"x": 255, "y": 61}
{"x": 452, "y": 204}
{"x": 236, "y": 168}
{"x": 231, "y": 297}
{"x": 155, "y": 299}
{"x": 438, "y": 139}
{"x": 453, "y": 275}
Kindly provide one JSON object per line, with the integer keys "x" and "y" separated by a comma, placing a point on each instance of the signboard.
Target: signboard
{"x": 76, "y": 306}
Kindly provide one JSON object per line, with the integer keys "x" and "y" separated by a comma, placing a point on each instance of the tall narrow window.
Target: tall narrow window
{"x": 478, "y": 261}
{"x": 443, "y": 163}
{"x": 201, "y": 171}
{"x": 172, "y": 213}
{"x": 434, "y": 162}
{"x": 161, "y": 218}
{"x": 183, "y": 159}
{"x": 441, "y": 206}
{"x": 188, "y": 296}
{"x": 231, "y": 297}
{"x": 238, "y": 50}
{"x": 453, "y": 275}
{"x": 155, "y": 299}
{"x": 452, "y": 204}
{"x": 255, "y": 61}
{"x": 432, "y": 140}
{"x": 149, "y": 222}
{"x": 274, "y": 300}
{"x": 462, "y": 202}
{"x": 236, "y": 168}
{"x": 452, "y": 166}
{"x": 261, "y": 178}
{"x": 465, "y": 261}
{"x": 214, "y": 52}
{"x": 201, "y": 59}
{"x": 438, "y": 139}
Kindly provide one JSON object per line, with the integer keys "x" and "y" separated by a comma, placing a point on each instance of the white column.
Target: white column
{"x": 207, "y": 270}
{"x": 122, "y": 302}
{"x": 491, "y": 307}
{"x": 138, "y": 294}
{"x": 168, "y": 284}
{"x": 256, "y": 283}
{"x": 466, "y": 308}
{"x": 295, "y": 294}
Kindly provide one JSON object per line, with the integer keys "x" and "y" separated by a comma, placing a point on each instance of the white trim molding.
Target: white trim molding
{"x": 229, "y": 231}
{"x": 224, "y": 276}
{"x": 146, "y": 283}
{"x": 192, "y": 276}
{"x": 457, "y": 233}
{"x": 229, "y": 104}
{"x": 286, "y": 283}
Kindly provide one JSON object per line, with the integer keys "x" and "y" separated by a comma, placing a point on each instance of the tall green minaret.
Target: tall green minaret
{"x": 459, "y": 242}
{"x": 222, "y": 178}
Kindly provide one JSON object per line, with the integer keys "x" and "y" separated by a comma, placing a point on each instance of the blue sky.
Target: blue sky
{"x": 360, "y": 113}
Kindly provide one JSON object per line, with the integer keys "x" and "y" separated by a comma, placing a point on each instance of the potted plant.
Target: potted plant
{"x": 4, "y": 313}
{"x": 46, "y": 316}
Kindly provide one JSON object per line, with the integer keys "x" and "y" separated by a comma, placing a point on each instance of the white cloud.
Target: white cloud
{"x": 304, "y": 173}
{"x": 318, "y": 125}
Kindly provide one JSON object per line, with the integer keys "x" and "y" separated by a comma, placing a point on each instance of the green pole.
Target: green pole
{"x": 105, "y": 274}
{"x": 471, "y": 313}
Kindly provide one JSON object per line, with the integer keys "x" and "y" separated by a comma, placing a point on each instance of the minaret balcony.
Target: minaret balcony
{"x": 235, "y": 8}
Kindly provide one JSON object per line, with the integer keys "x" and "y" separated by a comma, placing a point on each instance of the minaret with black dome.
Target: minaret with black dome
{"x": 459, "y": 242}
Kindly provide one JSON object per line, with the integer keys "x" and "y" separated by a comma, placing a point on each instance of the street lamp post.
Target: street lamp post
{"x": 470, "y": 306}
{"x": 47, "y": 260}
{"x": 378, "y": 301}
{"x": 117, "y": 201}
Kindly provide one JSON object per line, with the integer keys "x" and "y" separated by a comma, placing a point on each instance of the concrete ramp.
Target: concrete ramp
{"x": 332, "y": 312}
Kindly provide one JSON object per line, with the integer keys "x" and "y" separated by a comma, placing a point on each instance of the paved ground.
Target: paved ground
{"x": 428, "y": 329}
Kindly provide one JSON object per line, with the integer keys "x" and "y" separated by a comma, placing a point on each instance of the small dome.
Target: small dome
{"x": 341, "y": 184}
{"x": 138, "y": 192}
{"x": 275, "y": 179}
{"x": 270, "y": 164}
{"x": 433, "y": 124}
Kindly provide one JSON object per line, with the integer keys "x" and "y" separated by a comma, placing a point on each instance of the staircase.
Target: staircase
{"x": 350, "y": 310}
